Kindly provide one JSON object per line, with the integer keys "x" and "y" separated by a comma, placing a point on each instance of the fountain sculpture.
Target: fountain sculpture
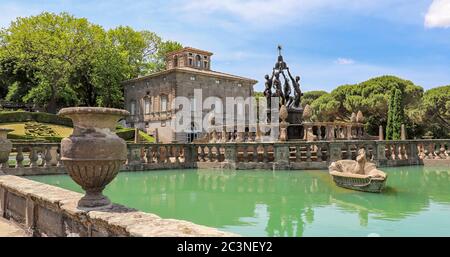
{"x": 281, "y": 84}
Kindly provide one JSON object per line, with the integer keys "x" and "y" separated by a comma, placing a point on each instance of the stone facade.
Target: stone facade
{"x": 149, "y": 99}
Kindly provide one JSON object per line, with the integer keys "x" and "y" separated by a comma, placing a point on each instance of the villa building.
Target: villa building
{"x": 149, "y": 98}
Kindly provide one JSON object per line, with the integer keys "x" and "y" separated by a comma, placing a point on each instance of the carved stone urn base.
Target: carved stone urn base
{"x": 83, "y": 172}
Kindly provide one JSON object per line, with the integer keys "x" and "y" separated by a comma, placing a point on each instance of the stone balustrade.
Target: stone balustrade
{"x": 312, "y": 131}
{"x": 34, "y": 159}
{"x": 43, "y": 158}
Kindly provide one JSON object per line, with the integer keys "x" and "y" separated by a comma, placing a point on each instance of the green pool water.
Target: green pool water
{"x": 287, "y": 203}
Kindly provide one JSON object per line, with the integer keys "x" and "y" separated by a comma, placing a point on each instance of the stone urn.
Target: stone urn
{"x": 93, "y": 154}
{"x": 5, "y": 148}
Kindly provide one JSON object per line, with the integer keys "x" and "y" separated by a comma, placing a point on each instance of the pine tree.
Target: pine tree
{"x": 390, "y": 116}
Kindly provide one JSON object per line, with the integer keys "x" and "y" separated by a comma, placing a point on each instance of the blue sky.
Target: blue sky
{"x": 327, "y": 42}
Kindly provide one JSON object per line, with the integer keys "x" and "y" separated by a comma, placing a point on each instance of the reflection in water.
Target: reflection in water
{"x": 284, "y": 203}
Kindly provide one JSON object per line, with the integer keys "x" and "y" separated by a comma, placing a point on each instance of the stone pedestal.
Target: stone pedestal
{"x": 229, "y": 156}
{"x": 281, "y": 161}
{"x": 335, "y": 151}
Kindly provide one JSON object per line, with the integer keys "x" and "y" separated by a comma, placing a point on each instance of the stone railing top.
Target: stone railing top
{"x": 329, "y": 123}
{"x": 294, "y": 142}
{"x": 128, "y": 221}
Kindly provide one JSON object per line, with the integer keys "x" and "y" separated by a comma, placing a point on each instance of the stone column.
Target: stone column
{"x": 380, "y": 159}
{"x": 281, "y": 161}
{"x": 413, "y": 156}
{"x": 403, "y": 133}
{"x": 229, "y": 161}
{"x": 380, "y": 133}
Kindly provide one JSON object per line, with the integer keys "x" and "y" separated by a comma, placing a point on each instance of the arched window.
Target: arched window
{"x": 147, "y": 105}
{"x": 133, "y": 107}
{"x": 175, "y": 61}
{"x": 198, "y": 61}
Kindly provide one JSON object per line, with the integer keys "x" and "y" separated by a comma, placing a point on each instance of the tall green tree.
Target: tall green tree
{"x": 398, "y": 115}
{"x": 390, "y": 119}
{"x": 58, "y": 60}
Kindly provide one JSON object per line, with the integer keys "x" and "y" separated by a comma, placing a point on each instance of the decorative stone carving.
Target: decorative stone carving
{"x": 359, "y": 117}
{"x": 283, "y": 123}
{"x": 307, "y": 113}
{"x": 353, "y": 117}
{"x": 5, "y": 148}
{"x": 93, "y": 154}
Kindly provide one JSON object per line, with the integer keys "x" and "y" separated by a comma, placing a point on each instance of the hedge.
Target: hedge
{"x": 21, "y": 116}
{"x": 15, "y": 137}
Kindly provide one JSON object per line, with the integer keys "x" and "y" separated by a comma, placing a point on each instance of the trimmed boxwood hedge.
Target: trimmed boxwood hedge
{"x": 15, "y": 137}
{"x": 21, "y": 116}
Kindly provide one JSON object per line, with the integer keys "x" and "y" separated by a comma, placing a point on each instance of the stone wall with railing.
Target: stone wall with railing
{"x": 43, "y": 158}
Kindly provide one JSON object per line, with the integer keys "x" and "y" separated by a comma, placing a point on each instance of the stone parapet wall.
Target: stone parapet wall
{"x": 40, "y": 159}
{"x": 44, "y": 210}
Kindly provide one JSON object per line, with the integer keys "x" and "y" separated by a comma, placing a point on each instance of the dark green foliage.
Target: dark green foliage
{"x": 310, "y": 96}
{"x": 370, "y": 97}
{"x": 20, "y": 116}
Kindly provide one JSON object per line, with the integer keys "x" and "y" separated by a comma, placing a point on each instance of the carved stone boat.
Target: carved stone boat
{"x": 358, "y": 175}
{"x": 358, "y": 182}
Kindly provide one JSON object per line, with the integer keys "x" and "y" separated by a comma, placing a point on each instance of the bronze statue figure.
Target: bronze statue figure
{"x": 268, "y": 90}
{"x": 297, "y": 92}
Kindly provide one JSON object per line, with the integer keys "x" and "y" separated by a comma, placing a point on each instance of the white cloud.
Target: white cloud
{"x": 344, "y": 61}
{"x": 438, "y": 14}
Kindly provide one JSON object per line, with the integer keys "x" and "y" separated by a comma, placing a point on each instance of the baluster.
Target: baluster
{"x": 202, "y": 153}
{"x": 403, "y": 152}
{"x": 442, "y": 151}
{"x": 245, "y": 153}
{"x": 255, "y": 153}
{"x": 176, "y": 154}
{"x": 265, "y": 154}
{"x": 430, "y": 151}
{"x": 19, "y": 157}
{"x": 58, "y": 157}
{"x": 319, "y": 153}
{"x": 298, "y": 154}
{"x": 33, "y": 157}
{"x": 308, "y": 153}
{"x": 158, "y": 154}
{"x": 47, "y": 157}
{"x": 388, "y": 152}
{"x": 349, "y": 151}
{"x": 149, "y": 154}
{"x": 394, "y": 155}
{"x": 448, "y": 150}
{"x": 167, "y": 153}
